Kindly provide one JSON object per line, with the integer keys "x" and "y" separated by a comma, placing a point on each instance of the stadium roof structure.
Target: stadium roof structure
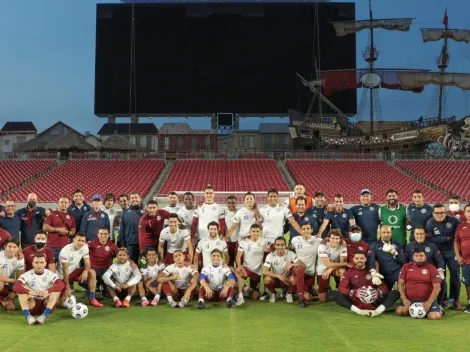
{"x": 274, "y": 128}
{"x": 128, "y": 128}
{"x": 116, "y": 142}
{"x": 21, "y": 126}
{"x": 69, "y": 142}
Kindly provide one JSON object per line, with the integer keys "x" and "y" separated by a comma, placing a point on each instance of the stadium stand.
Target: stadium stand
{"x": 16, "y": 172}
{"x": 349, "y": 177}
{"x": 94, "y": 176}
{"x": 452, "y": 176}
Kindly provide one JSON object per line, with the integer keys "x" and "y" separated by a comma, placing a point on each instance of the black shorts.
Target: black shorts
{"x": 466, "y": 274}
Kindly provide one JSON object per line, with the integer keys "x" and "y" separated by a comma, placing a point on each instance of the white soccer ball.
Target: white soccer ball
{"x": 417, "y": 311}
{"x": 79, "y": 311}
{"x": 369, "y": 296}
{"x": 69, "y": 302}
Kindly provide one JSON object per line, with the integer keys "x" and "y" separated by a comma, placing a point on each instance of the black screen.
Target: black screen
{"x": 197, "y": 59}
{"x": 225, "y": 119}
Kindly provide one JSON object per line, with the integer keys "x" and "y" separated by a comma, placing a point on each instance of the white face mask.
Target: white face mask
{"x": 356, "y": 236}
{"x": 454, "y": 207}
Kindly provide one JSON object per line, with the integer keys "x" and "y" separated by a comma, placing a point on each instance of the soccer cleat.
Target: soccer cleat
{"x": 302, "y": 303}
{"x": 200, "y": 305}
{"x": 183, "y": 303}
{"x": 126, "y": 303}
{"x": 94, "y": 302}
{"x": 289, "y": 298}
{"x": 240, "y": 301}
{"x": 442, "y": 310}
{"x": 118, "y": 303}
{"x": 31, "y": 320}
{"x": 229, "y": 303}
{"x": 145, "y": 303}
{"x": 263, "y": 296}
{"x": 272, "y": 299}
{"x": 173, "y": 304}
{"x": 457, "y": 306}
{"x": 41, "y": 319}
{"x": 467, "y": 310}
{"x": 449, "y": 303}
{"x": 154, "y": 302}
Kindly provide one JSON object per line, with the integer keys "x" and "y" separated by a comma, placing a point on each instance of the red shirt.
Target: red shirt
{"x": 4, "y": 236}
{"x": 419, "y": 280}
{"x": 462, "y": 237}
{"x": 353, "y": 247}
{"x": 29, "y": 253}
{"x": 54, "y": 239}
{"x": 150, "y": 228}
{"x": 101, "y": 255}
{"x": 458, "y": 214}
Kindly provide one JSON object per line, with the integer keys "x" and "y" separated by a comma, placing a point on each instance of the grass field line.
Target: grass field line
{"x": 338, "y": 333}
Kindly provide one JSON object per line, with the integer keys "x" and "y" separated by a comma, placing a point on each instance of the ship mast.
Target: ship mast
{"x": 442, "y": 63}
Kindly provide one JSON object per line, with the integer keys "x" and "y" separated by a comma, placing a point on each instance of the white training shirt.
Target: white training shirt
{"x": 36, "y": 282}
{"x": 9, "y": 266}
{"x": 73, "y": 257}
{"x": 333, "y": 254}
{"x": 207, "y": 246}
{"x": 127, "y": 273}
{"x": 229, "y": 217}
{"x": 185, "y": 273}
{"x": 277, "y": 263}
{"x": 216, "y": 276}
{"x": 273, "y": 219}
{"x": 205, "y": 214}
{"x": 173, "y": 210}
{"x": 244, "y": 218}
{"x": 307, "y": 250}
{"x": 253, "y": 253}
{"x": 152, "y": 271}
{"x": 186, "y": 216}
{"x": 176, "y": 241}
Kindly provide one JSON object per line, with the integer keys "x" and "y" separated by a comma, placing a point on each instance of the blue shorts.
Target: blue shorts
{"x": 100, "y": 273}
{"x": 466, "y": 275}
{"x": 434, "y": 306}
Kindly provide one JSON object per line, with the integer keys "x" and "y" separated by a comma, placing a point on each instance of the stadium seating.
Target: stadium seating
{"x": 349, "y": 177}
{"x": 452, "y": 176}
{"x": 94, "y": 176}
{"x": 16, "y": 172}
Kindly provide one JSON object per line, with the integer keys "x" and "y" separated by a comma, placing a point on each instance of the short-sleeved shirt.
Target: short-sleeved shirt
{"x": 151, "y": 272}
{"x": 29, "y": 253}
{"x": 215, "y": 276}
{"x": 71, "y": 256}
{"x": 253, "y": 254}
{"x": 419, "y": 280}
{"x": 205, "y": 214}
{"x": 273, "y": 219}
{"x": 186, "y": 215}
{"x": 207, "y": 246}
{"x": 101, "y": 255}
{"x": 185, "y": 274}
{"x": 38, "y": 282}
{"x": 175, "y": 241}
{"x": 277, "y": 263}
{"x": 9, "y": 266}
{"x": 307, "y": 251}
{"x": 57, "y": 219}
{"x": 306, "y": 218}
{"x": 418, "y": 216}
{"x": 462, "y": 237}
{"x": 244, "y": 218}
{"x": 367, "y": 218}
{"x": 333, "y": 254}
{"x": 340, "y": 220}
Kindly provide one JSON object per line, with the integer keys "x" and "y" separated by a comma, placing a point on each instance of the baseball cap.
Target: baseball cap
{"x": 364, "y": 191}
{"x": 319, "y": 194}
{"x": 97, "y": 197}
{"x": 354, "y": 227}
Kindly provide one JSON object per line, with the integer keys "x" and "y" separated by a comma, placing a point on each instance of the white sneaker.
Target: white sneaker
{"x": 263, "y": 296}
{"x": 31, "y": 320}
{"x": 272, "y": 299}
{"x": 154, "y": 302}
{"x": 41, "y": 319}
{"x": 289, "y": 298}
{"x": 173, "y": 304}
{"x": 183, "y": 303}
{"x": 240, "y": 301}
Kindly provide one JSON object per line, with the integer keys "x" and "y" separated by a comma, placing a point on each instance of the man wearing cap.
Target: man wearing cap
{"x": 319, "y": 211}
{"x": 367, "y": 216}
{"x": 340, "y": 218}
{"x": 355, "y": 243}
{"x": 418, "y": 213}
{"x": 94, "y": 219}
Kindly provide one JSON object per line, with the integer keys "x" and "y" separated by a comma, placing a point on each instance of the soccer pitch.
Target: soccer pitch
{"x": 255, "y": 326}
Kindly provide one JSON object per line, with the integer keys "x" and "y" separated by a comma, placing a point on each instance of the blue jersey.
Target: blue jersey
{"x": 319, "y": 214}
{"x": 418, "y": 216}
{"x": 92, "y": 222}
{"x": 28, "y": 233}
{"x": 307, "y": 218}
{"x": 367, "y": 218}
{"x": 388, "y": 264}
{"x": 442, "y": 233}
{"x": 433, "y": 254}
{"x": 12, "y": 225}
{"x": 340, "y": 220}
{"x": 77, "y": 212}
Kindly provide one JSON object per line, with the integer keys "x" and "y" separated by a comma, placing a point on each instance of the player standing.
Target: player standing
{"x": 341, "y": 218}
{"x": 151, "y": 225}
{"x": 319, "y": 211}
{"x": 186, "y": 213}
{"x": 176, "y": 239}
{"x": 10, "y": 268}
{"x": 94, "y": 219}
{"x": 299, "y": 191}
{"x": 394, "y": 215}
{"x": 206, "y": 213}
{"x": 207, "y": 246}
{"x": 367, "y": 217}
{"x": 173, "y": 206}
{"x": 231, "y": 237}
{"x": 462, "y": 251}
{"x": 418, "y": 212}
{"x": 454, "y": 208}
{"x": 129, "y": 228}
{"x": 149, "y": 285}
{"x": 39, "y": 246}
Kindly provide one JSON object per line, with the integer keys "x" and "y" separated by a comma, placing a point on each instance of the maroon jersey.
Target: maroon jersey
{"x": 462, "y": 237}
{"x": 101, "y": 255}
{"x": 4, "y": 236}
{"x": 353, "y": 247}
{"x": 460, "y": 215}
{"x": 58, "y": 219}
{"x": 150, "y": 228}
{"x": 419, "y": 280}
{"x": 29, "y": 253}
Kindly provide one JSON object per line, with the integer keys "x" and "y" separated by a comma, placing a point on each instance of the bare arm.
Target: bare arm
{"x": 160, "y": 250}
{"x": 323, "y": 226}
{"x": 330, "y": 265}
{"x": 294, "y": 224}
{"x": 231, "y": 230}
{"x": 189, "y": 244}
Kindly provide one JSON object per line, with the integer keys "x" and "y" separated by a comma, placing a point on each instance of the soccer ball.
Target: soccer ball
{"x": 79, "y": 311}
{"x": 70, "y": 302}
{"x": 369, "y": 296}
{"x": 417, "y": 311}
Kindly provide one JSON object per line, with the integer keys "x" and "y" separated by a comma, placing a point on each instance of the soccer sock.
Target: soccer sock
{"x": 26, "y": 313}
{"x": 300, "y": 274}
{"x": 128, "y": 298}
{"x": 355, "y": 309}
{"x": 157, "y": 297}
{"x": 380, "y": 309}
{"x": 47, "y": 311}
{"x": 115, "y": 299}
{"x": 92, "y": 296}
{"x": 201, "y": 300}
{"x": 240, "y": 295}
{"x": 170, "y": 299}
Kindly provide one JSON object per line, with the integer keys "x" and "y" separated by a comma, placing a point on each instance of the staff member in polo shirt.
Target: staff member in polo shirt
{"x": 418, "y": 213}
{"x": 78, "y": 207}
{"x": 32, "y": 219}
{"x": 94, "y": 219}
{"x": 340, "y": 218}
{"x": 302, "y": 215}
{"x": 367, "y": 217}
{"x": 11, "y": 222}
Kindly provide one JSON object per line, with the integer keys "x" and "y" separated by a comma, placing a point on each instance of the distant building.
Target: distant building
{"x": 143, "y": 135}
{"x": 180, "y": 137}
{"x": 92, "y": 139}
{"x": 14, "y": 134}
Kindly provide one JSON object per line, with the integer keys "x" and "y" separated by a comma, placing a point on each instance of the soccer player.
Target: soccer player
{"x": 102, "y": 251}
{"x": 69, "y": 268}
{"x": 441, "y": 228}
{"x": 319, "y": 211}
{"x": 352, "y": 285}
{"x": 38, "y": 290}
{"x": 355, "y": 243}
{"x": 78, "y": 207}
{"x": 231, "y": 236}
{"x": 206, "y": 213}
{"x": 176, "y": 240}
{"x": 394, "y": 215}
{"x": 207, "y": 246}
{"x": 299, "y": 191}
{"x": 178, "y": 281}
{"x": 284, "y": 269}
{"x": 113, "y": 213}
{"x": 454, "y": 208}
{"x": 60, "y": 226}
{"x": 129, "y": 228}
{"x": 39, "y": 246}
{"x": 341, "y": 218}
{"x": 10, "y": 268}
{"x": 367, "y": 217}
{"x": 306, "y": 248}
{"x": 462, "y": 251}
{"x": 216, "y": 282}
{"x": 121, "y": 279}
{"x": 151, "y": 225}
{"x": 243, "y": 219}
{"x": 11, "y": 222}
{"x": 186, "y": 213}
{"x": 173, "y": 206}
{"x": 301, "y": 216}
{"x": 32, "y": 219}
{"x": 94, "y": 219}
{"x": 419, "y": 282}
{"x": 249, "y": 261}
{"x": 149, "y": 287}
{"x": 332, "y": 256}
{"x": 418, "y": 212}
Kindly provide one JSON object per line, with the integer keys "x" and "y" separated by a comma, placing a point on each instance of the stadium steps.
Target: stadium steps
{"x": 285, "y": 173}
{"x": 154, "y": 190}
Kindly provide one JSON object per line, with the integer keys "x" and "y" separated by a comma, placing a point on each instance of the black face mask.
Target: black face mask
{"x": 40, "y": 244}
{"x": 31, "y": 204}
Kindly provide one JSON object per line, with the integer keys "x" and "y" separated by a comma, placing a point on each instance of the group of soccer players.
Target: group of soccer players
{"x": 219, "y": 252}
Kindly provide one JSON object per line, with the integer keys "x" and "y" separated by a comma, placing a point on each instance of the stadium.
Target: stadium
{"x": 161, "y": 216}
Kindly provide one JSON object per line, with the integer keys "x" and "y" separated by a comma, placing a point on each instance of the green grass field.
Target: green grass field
{"x": 256, "y": 326}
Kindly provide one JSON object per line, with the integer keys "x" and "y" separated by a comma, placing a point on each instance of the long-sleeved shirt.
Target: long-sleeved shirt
{"x": 123, "y": 274}
{"x": 129, "y": 227}
{"x": 433, "y": 254}
{"x": 91, "y": 223}
{"x": 388, "y": 264}
{"x": 77, "y": 212}
{"x": 31, "y": 221}
{"x": 442, "y": 233}
{"x": 11, "y": 224}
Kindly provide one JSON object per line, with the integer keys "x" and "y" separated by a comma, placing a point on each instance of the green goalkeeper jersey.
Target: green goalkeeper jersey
{"x": 396, "y": 219}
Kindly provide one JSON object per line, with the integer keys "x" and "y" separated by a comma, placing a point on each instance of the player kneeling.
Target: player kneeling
{"x": 358, "y": 293}
{"x": 216, "y": 281}
{"x": 149, "y": 288}
{"x": 121, "y": 279}
{"x": 38, "y": 291}
{"x": 178, "y": 280}
{"x": 419, "y": 282}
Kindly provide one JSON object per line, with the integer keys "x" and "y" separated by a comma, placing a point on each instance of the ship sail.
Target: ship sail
{"x": 393, "y": 24}
{"x": 435, "y": 34}
{"x": 412, "y": 80}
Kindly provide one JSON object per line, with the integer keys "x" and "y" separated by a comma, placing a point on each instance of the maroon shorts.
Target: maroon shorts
{"x": 74, "y": 276}
{"x": 309, "y": 283}
{"x": 254, "y": 278}
{"x": 216, "y": 295}
{"x": 39, "y": 307}
{"x": 4, "y": 292}
{"x": 324, "y": 285}
{"x": 169, "y": 258}
{"x": 278, "y": 283}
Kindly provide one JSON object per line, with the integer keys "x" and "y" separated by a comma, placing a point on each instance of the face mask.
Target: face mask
{"x": 454, "y": 207}
{"x": 356, "y": 236}
{"x": 31, "y": 204}
{"x": 40, "y": 244}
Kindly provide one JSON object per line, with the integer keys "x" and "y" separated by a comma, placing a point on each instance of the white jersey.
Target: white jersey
{"x": 244, "y": 218}
{"x": 253, "y": 253}
{"x": 39, "y": 282}
{"x": 186, "y": 216}
{"x": 333, "y": 254}
{"x": 307, "y": 250}
{"x": 176, "y": 241}
{"x": 173, "y": 209}
{"x": 185, "y": 274}
{"x": 152, "y": 271}
{"x": 273, "y": 222}
{"x": 277, "y": 263}
{"x": 127, "y": 273}
{"x": 205, "y": 214}
{"x": 216, "y": 276}
{"x": 112, "y": 213}
{"x": 72, "y": 257}
{"x": 207, "y": 246}
{"x": 229, "y": 217}
{"x": 9, "y": 266}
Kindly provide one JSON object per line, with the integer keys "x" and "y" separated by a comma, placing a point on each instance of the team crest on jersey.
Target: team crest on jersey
{"x": 278, "y": 210}
{"x": 368, "y": 277}
{"x": 127, "y": 270}
{"x": 344, "y": 215}
{"x": 371, "y": 208}
{"x": 259, "y": 244}
{"x": 44, "y": 279}
{"x": 102, "y": 215}
{"x": 142, "y": 211}
{"x": 14, "y": 263}
{"x": 427, "y": 249}
{"x": 448, "y": 225}
{"x": 85, "y": 208}
{"x": 245, "y": 217}
{"x": 360, "y": 248}
{"x": 213, "y": 208}
{"x": 67, "y": 217}
{"x": 423, "y": 211}
{"x": 80, "y": 251}
{"x": 306, "y": 218}
{"x": 217, "y": 243}
{"x": 424, "y": 271}
{"x": 457, "y": 216}
{"x": 159, "y": 218}
{"x": 106, "y": 248}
